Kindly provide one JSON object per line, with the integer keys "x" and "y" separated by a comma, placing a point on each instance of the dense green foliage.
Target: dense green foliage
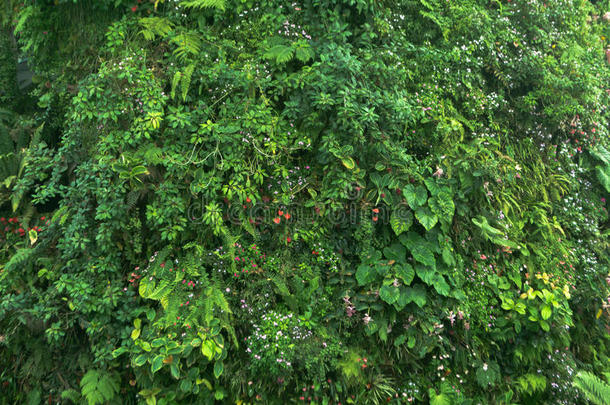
{"x": 325, "y": 202}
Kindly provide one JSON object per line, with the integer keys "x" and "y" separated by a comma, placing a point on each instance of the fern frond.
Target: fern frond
{"x": 175, "y": 81}
{"x": 71, "y": 395}
{"x": 188, "y": 44}
{"x": 185, "y": 81}
{"x": 219, "y": 4}
{"x": 98, "y": 387}
{"x": 155, "y": 26}
{"x": 24, "y": 15}
{"x": 18, "y": 259}
{"x": 594, "y": 389}
{"x": 280, "y": 53}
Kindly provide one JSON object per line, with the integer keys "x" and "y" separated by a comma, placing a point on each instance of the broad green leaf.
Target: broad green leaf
{"x": 401, "y": 220}
{"x": 423, "y": 255}
{"x": 405, "y": 272}
{"x": 432, "y": 186}
{"x": 425, "y": 273}
{"x": 396, "y": 252}
{"x": 157, "y": 363}
{"x": 440, "y": 285}
{"x": 140, "y": 360}
{"x": 389, "y": 293}
{"x": 208, "y": 349}
{"x": 175, "y": 371}
{"x": 365, "y": 274}
{"x": 218, "y": 369}
{"x": 415, "y": 294}
{"x": 421, "y": 195}
{"x": 545, "y": 312}
{"x": 442, "y": 205}
{"x": 426, "y": 217}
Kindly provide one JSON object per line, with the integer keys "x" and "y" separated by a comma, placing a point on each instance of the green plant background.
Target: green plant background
{"x": 326, "y": 201}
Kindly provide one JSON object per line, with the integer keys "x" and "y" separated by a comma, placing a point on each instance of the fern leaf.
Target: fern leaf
{"x": 218, "y": 4}
{"x": 155, "y": 26}
{"x": 280, "y": 53}
{"x": 19, "y": 258}
{"x": 175, "y": 81}
{"x": 188, "y": 44}
{"x": 185, "y": 81}
{"x": 594, "y": 389}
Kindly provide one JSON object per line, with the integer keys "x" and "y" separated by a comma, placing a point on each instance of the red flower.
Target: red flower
{"x": 134, "y": 8}
{"x": 248, "y": 200}
{"x": 375, "y": 219}
{"x": 280, "y": 213}
{"x": 376, "y": 210}
{"x": 288, "y": 239}
{"x": 287, "y": 216}
{"x": 276, "y": 220}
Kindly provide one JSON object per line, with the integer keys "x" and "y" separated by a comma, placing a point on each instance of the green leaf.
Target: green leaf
{"x": 365, "y": 274}
{"x": 421, "y": 195}
{"x": 349, "y": 163}
{"x": 440, "y": 285}
{"x": 409, "y": 193}
{"x": 442, "y": 205}
{"x": 219, "y": 4}
{"x": 432, "y": 186}
{"x": 140, "y": 360}
{"x": 426, "y": 218}
{"x": 422, "y": 254}
{"x": 425, "y": 273}
{"x": 157, "y": 363}
{"x": 389, "y": 293}
{"x": 175, "y": 371}
{"x": 396, "y": 252}
{"x": 546, "y": 312}
{"x": 415, "y": 294}
{"x": 218, "y": 368}
{"x": 405, "y": 272}
{"x": 135, "y": 333}
{"x": 208, "y": 349}
{"x": 401, "y": 220}
{"x": 281, "y": 53}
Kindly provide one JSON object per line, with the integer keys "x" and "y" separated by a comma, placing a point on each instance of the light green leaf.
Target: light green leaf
{"x": 426, "y": 218}
{"x": 401, "y": 220}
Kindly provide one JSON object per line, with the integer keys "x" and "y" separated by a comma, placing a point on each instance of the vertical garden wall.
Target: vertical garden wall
{"x": 319, "y": 201}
